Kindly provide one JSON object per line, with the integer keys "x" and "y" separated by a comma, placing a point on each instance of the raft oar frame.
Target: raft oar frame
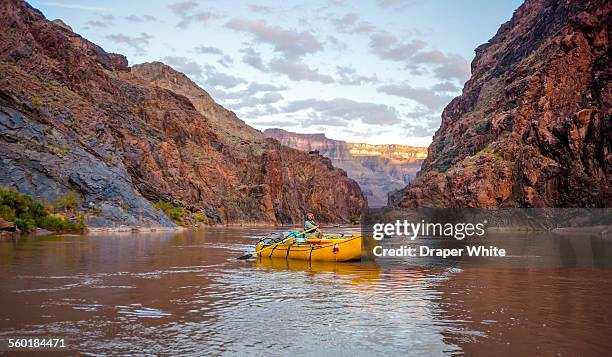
{"x": 247, "y": 256}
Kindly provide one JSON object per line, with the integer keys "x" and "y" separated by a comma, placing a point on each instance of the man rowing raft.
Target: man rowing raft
{"x": 309, "y": 224}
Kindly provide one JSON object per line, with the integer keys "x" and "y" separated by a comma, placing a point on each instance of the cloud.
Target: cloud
{"x": 317, "y": 119}
{"x": 426, "y": 97}
{"x": 253, "y": 89}
{"x": 140, "y": 19}
{"x": 257, "y": 112}
{"x": 209, "y": 50}
{"x": 398, "y": 3}
{"x": 104, "y": 21}
{"x": 75, "y": 6}
{"x": 261, "y": 9}
{"x": 182, "y": 64}
{"x": 252, "y": 58}
{"x": 251, "y": 101}
{"x": 387, "y": 46}
{"x": 420, "y": 130}
{"x": 298, "y": 71}
{"x": 186, "y": 11}
{"x": 96, "y": 23}
{"x": 183, "y": 7}
{"x": 459, "y": 70}
{"x": 413, "y": 54}
{"x": 347, "y": 20}
{"x": 339, "y": 111}
{"x": 137, "y": 43}
{"x": 388, "y": 3}
{"x": 334, "y": 41}
{"x": 226, "y": 61}
{"x": 446, "y": 87}
{"x": 275, "y": 123}
{"x": 291, "y": 43}
{"x": 350, "y": 23}
{"x": 208, "y": 75}
{"x": 424, "y": 123}
{"x": 349, "y": 76}
{"x": 451, "y": 66}
{"x": 216, "y": 78}
{"x": 219, "y": 95}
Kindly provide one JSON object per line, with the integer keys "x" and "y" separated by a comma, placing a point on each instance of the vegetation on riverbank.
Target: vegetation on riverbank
{"x": 28, "y": 214}
{"x": 180, "y": 215}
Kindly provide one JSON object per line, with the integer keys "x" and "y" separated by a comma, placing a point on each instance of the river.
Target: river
{"x": 185, "y": 293}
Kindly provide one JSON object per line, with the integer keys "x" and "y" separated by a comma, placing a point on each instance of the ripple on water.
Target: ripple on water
{"x": 139, "y": 311}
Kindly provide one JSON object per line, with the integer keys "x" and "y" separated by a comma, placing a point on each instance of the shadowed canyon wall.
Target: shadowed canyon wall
{"x": 74, "y": 118}
{"x": 532, "y": 127}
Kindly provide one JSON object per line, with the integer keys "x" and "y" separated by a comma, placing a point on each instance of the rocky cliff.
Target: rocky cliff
{"x": 379, "y": 169}
{"x": 532, "y": 127}
{"x": 74, "y": 118}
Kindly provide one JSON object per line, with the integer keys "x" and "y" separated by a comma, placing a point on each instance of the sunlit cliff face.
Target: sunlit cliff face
{"x": 342, "y": 149}
{"x": 397, "y": 153}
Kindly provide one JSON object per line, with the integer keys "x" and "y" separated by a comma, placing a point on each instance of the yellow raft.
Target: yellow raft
{"x": 323, "y": 249}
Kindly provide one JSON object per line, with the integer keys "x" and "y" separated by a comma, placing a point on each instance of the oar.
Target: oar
{"x": 247, "y": 256}
{"x": 334, "y": 235}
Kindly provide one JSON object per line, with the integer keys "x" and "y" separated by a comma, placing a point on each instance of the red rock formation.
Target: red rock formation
{"x": 73, "y": 117}
{"x": 379, "y": 169}
{"x": 532, "y": 127}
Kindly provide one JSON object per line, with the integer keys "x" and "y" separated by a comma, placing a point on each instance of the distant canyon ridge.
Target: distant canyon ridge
{"x": 379, "y": 169}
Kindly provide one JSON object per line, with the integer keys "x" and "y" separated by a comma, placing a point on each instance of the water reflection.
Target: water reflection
{"x": 356, "y": 273}
{"x": 185, "y": 293}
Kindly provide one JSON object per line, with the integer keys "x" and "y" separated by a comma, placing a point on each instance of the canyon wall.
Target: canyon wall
{"x": 379, "y": 169}
{"x": 74, "y": 118}
{"x": 532, "y": 127}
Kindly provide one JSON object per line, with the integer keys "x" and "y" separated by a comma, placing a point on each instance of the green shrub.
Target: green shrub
{"x": 80, "y": 225}
{"x": 176, "y": 214}
{"x": 25, "y": 224}
{"x": 70, "y": 202}
{"x": 28, "y": 214}
{"x": 200, "y": 218}
{"x": 7, "y": 213}
{"x": 58, "y": 224}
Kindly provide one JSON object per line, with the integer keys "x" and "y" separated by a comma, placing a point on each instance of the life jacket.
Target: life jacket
{"x": 313, "y": 225}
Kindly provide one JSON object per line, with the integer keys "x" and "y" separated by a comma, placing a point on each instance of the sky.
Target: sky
{"x": 378, "y": 71}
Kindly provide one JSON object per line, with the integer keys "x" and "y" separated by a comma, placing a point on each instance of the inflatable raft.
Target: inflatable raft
{"x": 333, "y": 248}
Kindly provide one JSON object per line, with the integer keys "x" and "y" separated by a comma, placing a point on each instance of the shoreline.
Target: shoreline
{"x": 132, "y": 229}
{"x": 604, "y": 230}
{"x": 139, "y": 229}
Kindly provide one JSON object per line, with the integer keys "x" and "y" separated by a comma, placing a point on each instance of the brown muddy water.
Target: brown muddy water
{"x": 186, "y": 294}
